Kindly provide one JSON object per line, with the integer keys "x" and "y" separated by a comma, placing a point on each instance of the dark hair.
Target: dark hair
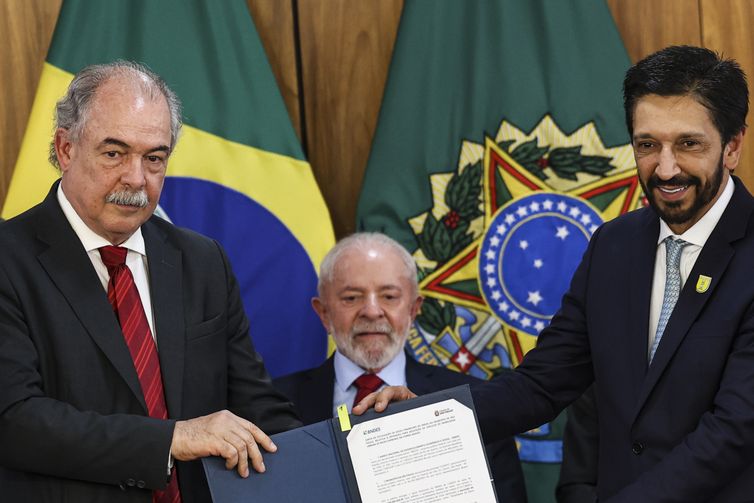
{"x": 716, "y": 83}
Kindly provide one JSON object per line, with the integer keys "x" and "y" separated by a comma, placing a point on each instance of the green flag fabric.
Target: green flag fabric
{"x": 500, "y": 148}
{"x": 238, "y": 173}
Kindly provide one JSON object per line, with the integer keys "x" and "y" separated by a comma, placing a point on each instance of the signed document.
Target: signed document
{"x": 424, "y": 450}
{"x": 432, "y": 453}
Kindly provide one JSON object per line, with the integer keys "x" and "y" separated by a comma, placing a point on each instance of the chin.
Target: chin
{"x": 370, "y": 353}
{"x": 677, "y": 214}
{"x": 371, "y": 358}
{"x": 120, "y": 233}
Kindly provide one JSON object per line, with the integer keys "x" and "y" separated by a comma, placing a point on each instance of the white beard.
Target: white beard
{"x": 373, "y": 355}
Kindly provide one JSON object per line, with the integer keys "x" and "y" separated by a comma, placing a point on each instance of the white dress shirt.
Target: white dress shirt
{"x": 696, "y": 236}
{"x": 346, "y": 372}
{"x": 136, "y": 260}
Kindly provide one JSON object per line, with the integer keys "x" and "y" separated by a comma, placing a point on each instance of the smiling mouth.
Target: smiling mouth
{"x": 672, "y": 193}
{"x": 673, "y": 190}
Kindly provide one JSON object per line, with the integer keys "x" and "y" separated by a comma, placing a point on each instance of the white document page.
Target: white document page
{"x": 424, "y": 455}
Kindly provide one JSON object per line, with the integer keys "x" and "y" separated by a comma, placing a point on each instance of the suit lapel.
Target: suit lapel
{"x": 419, "y": 377}
{"x": 713, "y": 261}
{"x": 317, "y": 396}
{"x": 640, "y": 275}
{"x": 70, "y": 269}
{"x": 165, "y": 283}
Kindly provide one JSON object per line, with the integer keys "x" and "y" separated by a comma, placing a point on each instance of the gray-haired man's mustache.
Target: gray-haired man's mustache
{"x": 138, "y": 199}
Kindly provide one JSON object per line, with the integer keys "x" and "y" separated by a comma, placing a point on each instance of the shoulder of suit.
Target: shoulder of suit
{"x": 288, "y": 379}
{"x": 16, "y": 233}
{"x": 632, "y": 218}
{"x": 446, "y": 375}
{"x": 171, "y": 229}
{"x": 296, "y": 378}
{"x": 181, "y": 237}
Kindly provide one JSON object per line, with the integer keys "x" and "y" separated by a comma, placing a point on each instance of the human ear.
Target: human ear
{"x": 63, "y": 146}
{"x": 732, "y": 151}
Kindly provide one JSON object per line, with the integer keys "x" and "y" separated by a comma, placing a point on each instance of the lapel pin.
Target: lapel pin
{"x": 702, "y": 284}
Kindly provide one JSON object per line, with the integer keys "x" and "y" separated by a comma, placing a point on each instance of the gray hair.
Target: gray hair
{"x": 72, "y": 109}
{"x": 363, "y": 240}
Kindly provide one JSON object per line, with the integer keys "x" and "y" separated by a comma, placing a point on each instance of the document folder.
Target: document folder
{"x": 313, "y": 463}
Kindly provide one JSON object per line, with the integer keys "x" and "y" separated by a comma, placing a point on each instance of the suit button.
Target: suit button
{"x": 122, "y": 486}
{"x": 637, "y": 448}
{"x": 130, "y": 482}
{"x": 141, "y": 484}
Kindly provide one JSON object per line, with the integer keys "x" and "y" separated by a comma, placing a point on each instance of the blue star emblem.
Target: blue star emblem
{"x": 529, "y": 253}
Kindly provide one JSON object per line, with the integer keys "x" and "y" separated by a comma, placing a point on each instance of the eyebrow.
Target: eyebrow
{"x": 122, "y": 144}
{"x": 113, "y": 141}
{"x": 351, "y": 288}
{"x": 391, "y": 287}
{"x": 687, "y": 134}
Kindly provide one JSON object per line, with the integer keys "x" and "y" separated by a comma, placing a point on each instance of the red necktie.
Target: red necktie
{"x": 365, "y": 384}
{"x": 124, "y": 297}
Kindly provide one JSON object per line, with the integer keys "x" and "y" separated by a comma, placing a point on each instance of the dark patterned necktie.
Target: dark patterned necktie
{"x": 124, "y": 297}
{"x": 365, "y": 384}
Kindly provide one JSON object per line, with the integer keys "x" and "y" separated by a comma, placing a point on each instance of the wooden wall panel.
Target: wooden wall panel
{"x": 26, "y": 27}
{"x": 721, "y": 25}
{"x": 726, "y": 27}
{"x": 346, "y": 48}
{"x": 649, "y": 25}
{"x": 274, "y": 22}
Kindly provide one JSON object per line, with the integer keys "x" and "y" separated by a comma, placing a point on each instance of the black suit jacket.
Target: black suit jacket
{"x": 578, "y": 471}
{"x": 73, "y": 423}
{"x": 312, "y": 391}
{"x": 682, "y": 428}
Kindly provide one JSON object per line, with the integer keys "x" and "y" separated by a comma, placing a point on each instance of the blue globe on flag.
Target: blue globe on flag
{"x": 529, "y": 253}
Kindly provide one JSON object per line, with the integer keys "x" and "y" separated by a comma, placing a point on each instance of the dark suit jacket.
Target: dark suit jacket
{"x": 578, "y": 471}
{"x": 73, "y": 424}
{"x": 681, "y": 429}
{"x": 312, "y": 390}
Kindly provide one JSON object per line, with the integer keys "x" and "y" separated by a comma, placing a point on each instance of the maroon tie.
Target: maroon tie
{"x": 365, "y": 384}
{"x": 124, "y": 297}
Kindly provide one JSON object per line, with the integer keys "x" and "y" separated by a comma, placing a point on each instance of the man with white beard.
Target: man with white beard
{"x": 368, "y": 299}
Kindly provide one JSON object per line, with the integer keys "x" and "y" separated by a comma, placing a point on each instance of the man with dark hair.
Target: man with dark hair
{"x": 124, "y": 347}
{"x": 717, "y": 84}
{"x": 720, "y": 87}
{"x": 368, "y": 299}
{"x": 667, "y": 337}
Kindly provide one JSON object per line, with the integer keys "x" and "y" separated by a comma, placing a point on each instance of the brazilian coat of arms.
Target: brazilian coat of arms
{"x": 506, "y": 231}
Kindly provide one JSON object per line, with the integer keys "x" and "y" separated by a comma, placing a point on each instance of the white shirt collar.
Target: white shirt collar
{"x": 698, "y": 233}
{"x": 90, "y": 239}
{"x": 347, "y": 371}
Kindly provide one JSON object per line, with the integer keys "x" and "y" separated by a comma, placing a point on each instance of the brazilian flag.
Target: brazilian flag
{"x": 500, "y": 147}
{"x": 238, "y": 173}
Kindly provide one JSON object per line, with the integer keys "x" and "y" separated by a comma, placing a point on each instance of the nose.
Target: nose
{"x": 133, "y": 172}
{"x": 667, "y": 165}
{"x": 372, "y": 308}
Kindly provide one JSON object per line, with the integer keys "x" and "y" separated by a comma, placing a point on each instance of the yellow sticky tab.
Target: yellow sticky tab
{"x": 345, "y": 421}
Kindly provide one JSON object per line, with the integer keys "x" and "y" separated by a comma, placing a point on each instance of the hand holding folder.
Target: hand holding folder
{"x": 425, "y": 449}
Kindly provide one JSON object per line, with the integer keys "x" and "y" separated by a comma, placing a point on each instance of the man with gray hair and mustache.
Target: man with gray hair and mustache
{"x": 368, "y": 300}
{"x": 124, "y": 348}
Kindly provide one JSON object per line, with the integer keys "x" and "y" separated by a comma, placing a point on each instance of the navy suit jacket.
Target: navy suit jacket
{"x": 312, "y": 390}
{"x": 73, "y": 423}
{"x": 682, "y": 428}
{"x": 578, "y": 471}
